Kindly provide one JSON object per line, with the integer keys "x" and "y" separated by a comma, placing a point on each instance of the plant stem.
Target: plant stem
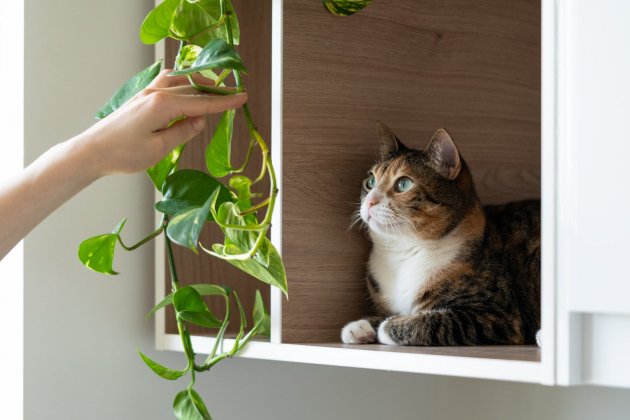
{"x": 241, "y": 168}
{"x": 252, "y": 209}
{"x": 263, "y": 168}
{"x": 182, "y": 44}
{"x": 181, "y": 327}
{"x": 217, "y": 25}
{"x": 237, "y": 347}
{"x": 221, "y": 77}
{"x": 171, "y": 264}
{"x": 241, "y": 330}
{"x": 143, "y": 241}
{"x": 246, "y": 339}
{"x": 242, "y": 257}
{"x": 221, "y": 332}
{"x": 214, "y": 361}
{"x": 241, "y": 227}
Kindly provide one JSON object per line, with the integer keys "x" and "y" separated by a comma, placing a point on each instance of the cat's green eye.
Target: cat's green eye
{"x": 370, "y": 182}
{"x": 404, "y": 184}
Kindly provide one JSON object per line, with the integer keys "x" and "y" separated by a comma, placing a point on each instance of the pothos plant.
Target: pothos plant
{"x": 208, "y": 31}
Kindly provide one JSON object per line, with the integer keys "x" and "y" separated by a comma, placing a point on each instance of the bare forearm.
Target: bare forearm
{"x": 42, "y": 187}
{"x": 133, "y": 138}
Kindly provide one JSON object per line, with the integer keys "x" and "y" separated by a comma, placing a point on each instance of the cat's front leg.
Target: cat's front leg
{"x": 362, "y": 331}
{"x": 429, "y": 328}
{"x": 406, "y": 331}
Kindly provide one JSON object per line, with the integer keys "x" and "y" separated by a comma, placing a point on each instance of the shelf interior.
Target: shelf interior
{"x": 472, "y": 67}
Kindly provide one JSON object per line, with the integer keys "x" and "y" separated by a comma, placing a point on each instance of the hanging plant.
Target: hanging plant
{"x": 208, "y": 31}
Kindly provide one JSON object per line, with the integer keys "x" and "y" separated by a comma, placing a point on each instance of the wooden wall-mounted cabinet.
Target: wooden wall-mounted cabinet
{"x": 501, "y": 77}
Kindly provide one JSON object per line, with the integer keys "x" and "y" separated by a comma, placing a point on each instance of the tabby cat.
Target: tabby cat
{"x": 444, "y": 270}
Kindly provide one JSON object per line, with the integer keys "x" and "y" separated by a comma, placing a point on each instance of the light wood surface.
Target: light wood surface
{"x": 472, "y": 67}
{"x": 521, "y": 353}
{"x": 255, "y": 24}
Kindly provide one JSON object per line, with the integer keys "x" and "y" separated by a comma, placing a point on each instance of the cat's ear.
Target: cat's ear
{"x": 444, "y": 155}
{"x": 388, "y": 141}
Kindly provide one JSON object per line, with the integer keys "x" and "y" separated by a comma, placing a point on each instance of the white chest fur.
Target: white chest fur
{"x": 400, "y": 268}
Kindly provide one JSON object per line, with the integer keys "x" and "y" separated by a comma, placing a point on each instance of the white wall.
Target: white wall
{"x": 11, "y": 163}
{"x": 82, "y": 329}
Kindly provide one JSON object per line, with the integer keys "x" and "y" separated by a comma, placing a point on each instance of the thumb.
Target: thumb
{"x": 182, "y": 131}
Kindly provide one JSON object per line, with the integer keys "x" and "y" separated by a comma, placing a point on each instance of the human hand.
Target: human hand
{"x": 136, "y": 136}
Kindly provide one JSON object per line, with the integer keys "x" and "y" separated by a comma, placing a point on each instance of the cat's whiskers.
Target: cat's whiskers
{"x": 415, "y": 229}
{"x": 388, "y": 234}
{"x": 391, "y": 221}
{"x": 392, "y": 224}
{"x": 355, "y": 218}
{"x": 396, "y": 219}
{"x": 398, "y": 227}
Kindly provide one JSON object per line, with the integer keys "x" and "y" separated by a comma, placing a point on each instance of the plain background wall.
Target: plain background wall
{"x": 82, "y": 329}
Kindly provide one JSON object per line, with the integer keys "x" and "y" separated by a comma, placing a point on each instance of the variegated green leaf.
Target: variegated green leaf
{"x": 345, "y": 7}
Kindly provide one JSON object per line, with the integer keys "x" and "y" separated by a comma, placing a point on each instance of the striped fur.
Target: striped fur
{"x": 443, "y": 269}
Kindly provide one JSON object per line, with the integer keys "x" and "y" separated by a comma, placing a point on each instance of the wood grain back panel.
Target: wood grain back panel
{"x": 472, "y": 67}
{"x": 255, "y": 23}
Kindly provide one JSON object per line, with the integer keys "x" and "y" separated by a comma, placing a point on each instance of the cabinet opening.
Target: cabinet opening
{"x": 473, "y": 68}
{"x": 470, "y": 67}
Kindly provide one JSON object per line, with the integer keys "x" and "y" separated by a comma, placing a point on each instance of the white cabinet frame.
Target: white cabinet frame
{"x": 535, "y": 372}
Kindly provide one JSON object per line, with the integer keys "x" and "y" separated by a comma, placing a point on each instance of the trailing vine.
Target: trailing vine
{"x": 208, "y": 31}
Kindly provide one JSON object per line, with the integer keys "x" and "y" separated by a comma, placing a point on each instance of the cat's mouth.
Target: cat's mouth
{"x": 377, "y": 220}
{"x": 375, "y": 224}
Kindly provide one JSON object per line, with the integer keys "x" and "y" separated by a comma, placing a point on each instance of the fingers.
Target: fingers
{"x": 173, "y": 96}
{"x": 190, "y": 90}
{"x": 170, "y": 97}
{"x": 181, "y": 132}
{"x": 163, "y": 80}
{"x": 196, "y": 105}
{"x": 164, "y": 107}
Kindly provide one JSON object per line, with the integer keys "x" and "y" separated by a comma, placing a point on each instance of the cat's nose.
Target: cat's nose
{"x": 372, "y": 201}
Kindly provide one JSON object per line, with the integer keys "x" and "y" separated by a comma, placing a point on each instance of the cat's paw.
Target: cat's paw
{"x": 384, "y": 336}
{"x": 539, "y": 338}
{"x": 358, "y": 332}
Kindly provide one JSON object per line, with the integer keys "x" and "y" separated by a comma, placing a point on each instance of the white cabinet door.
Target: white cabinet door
{"x": 593, "y": 192}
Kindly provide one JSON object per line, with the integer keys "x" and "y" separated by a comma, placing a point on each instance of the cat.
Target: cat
{"x": 443, "y": 270}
